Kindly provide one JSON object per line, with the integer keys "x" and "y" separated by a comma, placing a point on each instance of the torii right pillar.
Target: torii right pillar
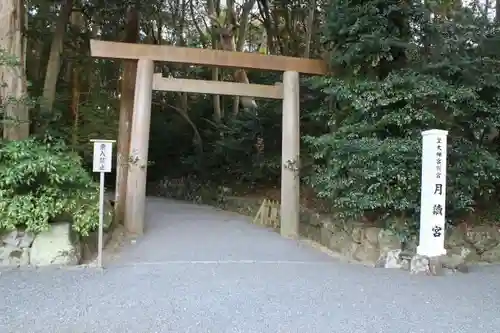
{"x": 290, "y": 157}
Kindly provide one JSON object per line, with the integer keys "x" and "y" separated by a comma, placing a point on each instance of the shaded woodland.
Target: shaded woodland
{"x": 397, "y": 68}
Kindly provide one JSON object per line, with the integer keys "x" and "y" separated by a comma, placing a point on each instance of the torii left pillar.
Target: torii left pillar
{"x": 290, "y": 156}
{"x": 135, "y": 207}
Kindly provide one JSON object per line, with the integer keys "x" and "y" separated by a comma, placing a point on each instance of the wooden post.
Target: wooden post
{"x": 139, "y": 144}
{"x": 124, "y": 130}
{"x": 290, "y": 157}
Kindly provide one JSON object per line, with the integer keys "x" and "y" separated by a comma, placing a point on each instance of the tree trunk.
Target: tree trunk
{"x": 309, "y": 29}
{"x": 218, "y": 115}
{"x": 13, "y": 85}
{"x": 129, "y": 70}
{"x": 246, "y": 102}
{"x": 265, "y": 13}
{"x": 182, "y": 101}
{"x": 54, "y": 63}
{"x": 227, "y": 42}
{"x": 78, "y": 26}
{"x": 497, "y": 12}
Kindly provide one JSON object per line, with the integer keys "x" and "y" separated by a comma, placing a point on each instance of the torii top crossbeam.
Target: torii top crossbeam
{"x": 196, "y": 56}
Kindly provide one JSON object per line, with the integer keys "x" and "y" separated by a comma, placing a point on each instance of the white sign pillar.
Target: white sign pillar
{"x": 433, "y": 194}
{"x": 103, "y": 155}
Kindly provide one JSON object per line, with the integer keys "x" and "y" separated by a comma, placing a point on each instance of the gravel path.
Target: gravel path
{"x": 201, "y": 270}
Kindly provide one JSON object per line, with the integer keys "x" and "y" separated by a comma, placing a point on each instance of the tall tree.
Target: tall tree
{"x": 127, "y": 88}
{"x": 226, "y": 28}
{"x": 54, "y": 63}
{"x": 74, "y": 70}
{"x": 13, "y": 85}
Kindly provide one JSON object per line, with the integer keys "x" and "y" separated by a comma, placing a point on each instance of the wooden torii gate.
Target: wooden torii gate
{"x": 147, "y": 81}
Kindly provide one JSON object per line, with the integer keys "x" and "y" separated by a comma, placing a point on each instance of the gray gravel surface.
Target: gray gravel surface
{"x": 201, "y": 270}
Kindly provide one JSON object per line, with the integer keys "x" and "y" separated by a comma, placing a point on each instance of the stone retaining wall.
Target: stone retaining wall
{"x": 57, "y": 246}
{"x": 380, "y": 247}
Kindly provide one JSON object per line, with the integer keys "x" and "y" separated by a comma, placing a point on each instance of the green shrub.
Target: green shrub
{"x": 388, "y": 89}
{"x": 41, "y": 181}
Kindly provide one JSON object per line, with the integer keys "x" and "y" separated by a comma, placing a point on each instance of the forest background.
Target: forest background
{"x": 397, "y": 68}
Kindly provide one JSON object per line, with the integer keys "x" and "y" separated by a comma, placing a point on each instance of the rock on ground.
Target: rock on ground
{"x": 57, "y": 246}
{"x": 12, "y": 256}
{"x": 14, "y": 248}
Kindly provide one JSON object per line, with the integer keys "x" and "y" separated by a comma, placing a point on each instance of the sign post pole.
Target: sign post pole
{"x": 102, "y": 163}
{"x": 433, "y": 194}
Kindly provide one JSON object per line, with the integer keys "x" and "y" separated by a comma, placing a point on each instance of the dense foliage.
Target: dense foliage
{"x": 398, "y": 73}
{"x": 244, "y": 148}
{"x": 43, "y": 181}
{"x": 398, "y": 68}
